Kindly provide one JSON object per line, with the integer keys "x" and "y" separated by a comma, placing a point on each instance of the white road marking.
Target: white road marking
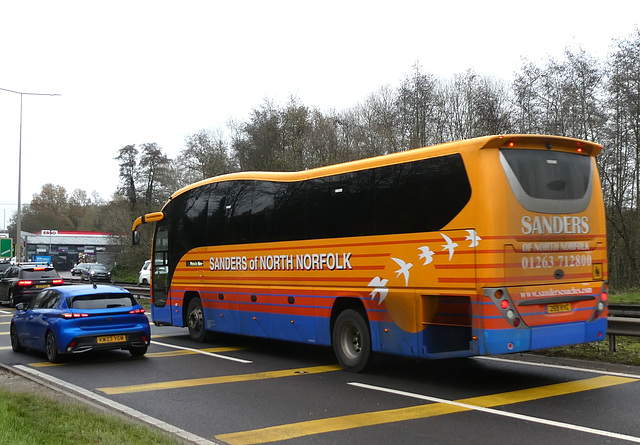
{"x": 212, "y": 354}
{"x": 565, "y": 367}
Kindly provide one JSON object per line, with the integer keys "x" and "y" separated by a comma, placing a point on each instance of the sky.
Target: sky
{"x": 135, "y": 72}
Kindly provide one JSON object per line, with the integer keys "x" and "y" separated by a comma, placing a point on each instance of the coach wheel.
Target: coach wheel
{"x": 15, "y": 341}
{"x": 51, "y": 348}
{"x": 195, "y": 320}
{"x": 352, "y": 341}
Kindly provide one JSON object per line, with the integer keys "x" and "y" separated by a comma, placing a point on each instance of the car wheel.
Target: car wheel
{"x": 12, "y": 300}
{"x": 138, "y": 351}
{"x": 15, "y": 341}
{"x": 195, "y": 320}
{"x": 352, "y": 341}
{"x": 52, "y": 348}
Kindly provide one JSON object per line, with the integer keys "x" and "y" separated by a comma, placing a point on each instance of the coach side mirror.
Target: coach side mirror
{"x": 135, "y": 237}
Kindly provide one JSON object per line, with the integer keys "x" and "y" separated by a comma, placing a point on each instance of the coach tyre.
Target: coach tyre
{"x": 352, "y": 341}
{"x": 195, "y": 320}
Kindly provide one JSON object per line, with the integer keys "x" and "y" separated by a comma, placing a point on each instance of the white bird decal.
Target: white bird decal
{"x": 404, "y": 269}
{"x": 473, "y": 237}
{"x": 379, "y": 288}
{"x": 450, "y": 246}
{"x": 427, "y": 254}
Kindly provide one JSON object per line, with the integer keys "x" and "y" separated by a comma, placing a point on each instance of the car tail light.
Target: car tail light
{"x": 39, "y": 269}
{"x": 25, "y": 283}
{"x": 137, "y": 311}
{"x": 71, "y": 345}
{"x": 69, "y": 315}
{"x": 58, "y": 281}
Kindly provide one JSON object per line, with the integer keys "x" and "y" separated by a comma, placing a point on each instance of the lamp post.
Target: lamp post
{"x": 19, "y": 216}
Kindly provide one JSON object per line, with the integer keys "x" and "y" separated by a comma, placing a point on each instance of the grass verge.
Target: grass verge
{"x": 627, "y": 351}
{"x": 27, "y": 419}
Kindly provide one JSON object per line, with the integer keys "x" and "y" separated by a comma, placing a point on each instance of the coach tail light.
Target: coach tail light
{"x": 500, "y": 297}
{"x": 601, "y": 302}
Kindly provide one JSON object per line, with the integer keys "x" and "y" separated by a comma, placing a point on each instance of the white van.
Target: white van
{"x": 145, "y": 273}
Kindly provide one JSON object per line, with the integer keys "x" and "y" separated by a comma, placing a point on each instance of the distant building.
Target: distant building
{"x": 66, "y": 248}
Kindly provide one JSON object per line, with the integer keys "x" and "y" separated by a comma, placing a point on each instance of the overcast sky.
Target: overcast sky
{"x": 134, "y": 72}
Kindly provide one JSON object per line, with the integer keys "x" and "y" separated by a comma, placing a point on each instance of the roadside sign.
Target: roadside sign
{"x": 6, "y": 247}
{"x": 43, "y": 259}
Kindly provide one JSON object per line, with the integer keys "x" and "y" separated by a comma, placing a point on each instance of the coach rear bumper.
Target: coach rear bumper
{"x": 504, "y": 341}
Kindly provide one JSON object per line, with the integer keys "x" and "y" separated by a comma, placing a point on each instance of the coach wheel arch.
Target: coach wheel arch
{"x": 351, "y": 334}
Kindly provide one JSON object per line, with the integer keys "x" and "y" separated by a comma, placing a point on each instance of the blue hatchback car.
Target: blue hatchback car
{"x": 79, "y": 318}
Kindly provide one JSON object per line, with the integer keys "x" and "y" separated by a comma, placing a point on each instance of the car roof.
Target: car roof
{"x": 73, "y": 290}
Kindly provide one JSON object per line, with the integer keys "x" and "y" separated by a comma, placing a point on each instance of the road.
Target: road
{"x": 235, "y": 390}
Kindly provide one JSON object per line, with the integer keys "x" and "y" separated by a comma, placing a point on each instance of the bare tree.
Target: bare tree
{"x": 128, "y": 158}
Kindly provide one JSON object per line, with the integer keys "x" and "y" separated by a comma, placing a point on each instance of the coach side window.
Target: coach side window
{"x": 420, "y": 196}
{"x": 340, "y": 205}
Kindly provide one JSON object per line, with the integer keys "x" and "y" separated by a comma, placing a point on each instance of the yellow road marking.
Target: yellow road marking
{"x": 217, "y": 380}
{"x": 300, "y": 429}
{"x": 174, "y": 353}
{"x": 5, "y": 347}
{"x": 5, "y": 322}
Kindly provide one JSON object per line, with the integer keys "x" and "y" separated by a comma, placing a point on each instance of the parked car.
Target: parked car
{"x": 80, "y": 318}
{"x": 95, "y": 272}
{"x": 77, "y": 269}
{"x": 144, "y": 277}
{"x": 21, "y": 282}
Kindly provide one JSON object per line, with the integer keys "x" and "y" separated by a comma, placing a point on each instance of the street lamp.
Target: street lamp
{"x": 19, "y": 217}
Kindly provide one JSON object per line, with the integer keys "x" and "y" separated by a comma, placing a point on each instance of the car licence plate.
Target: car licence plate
{"x": 112, "y": 338}
{"x": 40, "y": 286}
{"x": 559, "y": 307}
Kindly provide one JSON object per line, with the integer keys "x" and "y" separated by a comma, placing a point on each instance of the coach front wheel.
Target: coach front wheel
{"x": 352, "y": 341}
{"x": 195, "y": 320}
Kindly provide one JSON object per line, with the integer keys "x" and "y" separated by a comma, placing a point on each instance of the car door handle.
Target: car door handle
{"x": 44, "y": 317}
{"x": 30, "y": 317}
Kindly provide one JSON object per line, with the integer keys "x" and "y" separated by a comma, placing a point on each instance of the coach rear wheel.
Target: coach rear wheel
{"x": 352, "y": 341}
{"x": 195, "y": 320}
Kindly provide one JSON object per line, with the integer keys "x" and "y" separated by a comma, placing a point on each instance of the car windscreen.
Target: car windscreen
{"x": 98, "y": 268}
{"x": 100, "y": 301}
{"x": 36, "y": 274}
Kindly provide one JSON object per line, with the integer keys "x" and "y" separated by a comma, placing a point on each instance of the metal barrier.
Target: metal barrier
{"x": 624, "y": 320}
